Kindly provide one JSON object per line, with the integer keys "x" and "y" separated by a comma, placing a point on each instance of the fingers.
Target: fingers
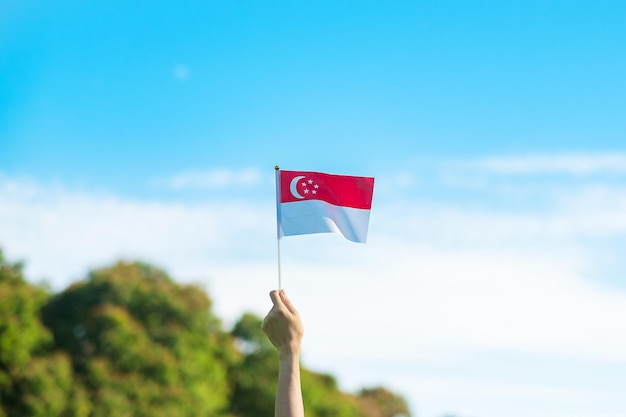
{"x": 281, "y": 301}
{"x": 287, "y": 302}
{"x": 276, "y": 299}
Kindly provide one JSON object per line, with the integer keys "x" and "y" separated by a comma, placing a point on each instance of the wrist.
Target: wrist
{"x": 289, "y": 353}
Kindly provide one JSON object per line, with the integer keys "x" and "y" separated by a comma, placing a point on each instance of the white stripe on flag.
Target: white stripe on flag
{"x": 317, "y": 216}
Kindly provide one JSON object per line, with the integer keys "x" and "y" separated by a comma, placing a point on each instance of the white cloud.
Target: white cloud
{"x": 218, "y": 178}
{"x": 469, "y": 300}
{"x": 571, "y": 163}
{"x": 61, "y": 232}
{"x": 435, "y": 282}
{"x": 482, "y": 398}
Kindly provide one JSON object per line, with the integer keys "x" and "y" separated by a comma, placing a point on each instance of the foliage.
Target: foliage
{"x": 34, "y": 380}
{"x": 129, "y": 341}
{"x": 142, "y": 344}
{"x": 322, "y": 397}
{"x": 380, "y": 402}
{"x": 254, "y": 378}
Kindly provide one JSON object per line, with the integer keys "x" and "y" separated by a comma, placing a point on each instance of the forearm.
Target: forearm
{"x": 289, "y": 394}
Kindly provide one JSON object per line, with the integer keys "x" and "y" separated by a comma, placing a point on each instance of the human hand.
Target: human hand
{"x": 282, "y": 325}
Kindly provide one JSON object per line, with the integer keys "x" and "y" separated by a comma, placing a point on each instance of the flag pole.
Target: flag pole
{"x": 277, "y": 169}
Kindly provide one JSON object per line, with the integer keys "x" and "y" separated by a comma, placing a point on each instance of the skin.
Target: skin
{"x": 283, "y": 327}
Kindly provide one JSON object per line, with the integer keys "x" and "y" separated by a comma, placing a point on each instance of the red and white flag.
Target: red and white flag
{"x": 314, "y": 202}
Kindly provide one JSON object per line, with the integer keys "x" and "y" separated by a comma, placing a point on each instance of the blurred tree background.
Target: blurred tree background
{"x": 128, "y": 341}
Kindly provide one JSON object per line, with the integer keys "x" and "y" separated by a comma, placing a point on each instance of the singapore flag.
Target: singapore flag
{"x": 314, "y": 202}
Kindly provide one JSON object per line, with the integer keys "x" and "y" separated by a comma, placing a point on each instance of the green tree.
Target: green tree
{"x": 128, "y": 341}
{"x": 254, "y": 378}
{"x": 34, "y": 380}
{"x": 142, "y": 344}
{"x": 380, "y": 402}
{"x": 323, "y": 398}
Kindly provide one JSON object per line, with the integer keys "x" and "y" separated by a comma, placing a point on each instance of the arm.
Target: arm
{"x": 284, "y": 329}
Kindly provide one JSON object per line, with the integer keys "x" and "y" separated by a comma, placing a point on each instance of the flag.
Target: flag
{"x": 315, "y": 202}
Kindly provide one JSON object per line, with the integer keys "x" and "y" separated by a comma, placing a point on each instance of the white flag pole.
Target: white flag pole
{"x": 277, "y": 169}
{"x": 280, "y": 284}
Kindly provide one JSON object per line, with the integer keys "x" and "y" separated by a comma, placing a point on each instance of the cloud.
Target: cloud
{"x": 568, "y": 163}
{"x": 437, "y": 282}
{"x": 62, "y": 232}
{"x": 496, "y": 300}
{"x": 456, "y": 267}
{"x": 218, "y": 178}
{"x": 477, "y": 398}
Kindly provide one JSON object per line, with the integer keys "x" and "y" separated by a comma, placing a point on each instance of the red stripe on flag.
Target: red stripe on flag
{"x": 339, "y": 190}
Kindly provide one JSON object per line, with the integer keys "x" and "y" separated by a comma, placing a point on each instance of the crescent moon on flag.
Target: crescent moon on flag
{"x": 293, "y": 184}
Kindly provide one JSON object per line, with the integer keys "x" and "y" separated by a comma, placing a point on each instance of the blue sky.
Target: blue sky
{"x": 492, "y": 281}
{"x": 147, "y": 88}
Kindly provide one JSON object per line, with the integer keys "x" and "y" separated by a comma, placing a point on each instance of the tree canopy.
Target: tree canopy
{"x": 128, "y": 340}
